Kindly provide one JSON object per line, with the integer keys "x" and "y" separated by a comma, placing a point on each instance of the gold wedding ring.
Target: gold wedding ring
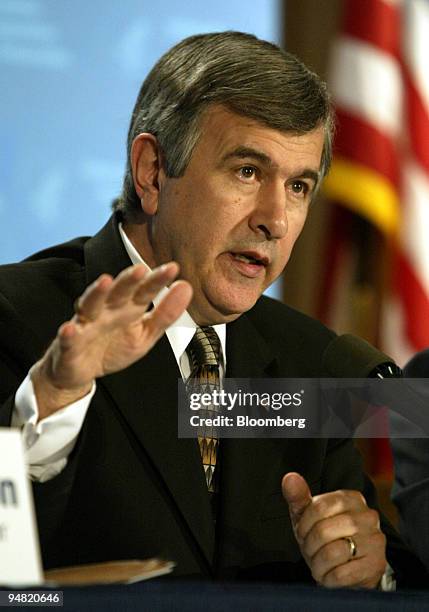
{"x": 352, "y": 545}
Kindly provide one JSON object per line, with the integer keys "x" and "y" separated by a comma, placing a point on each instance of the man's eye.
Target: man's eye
{"x": 247, "y": 172}
{"x": 299, "y": 187}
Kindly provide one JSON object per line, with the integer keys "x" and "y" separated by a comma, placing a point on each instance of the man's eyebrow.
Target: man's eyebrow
{"x": 310, "y": 174}
{"x": 245, "y": 152}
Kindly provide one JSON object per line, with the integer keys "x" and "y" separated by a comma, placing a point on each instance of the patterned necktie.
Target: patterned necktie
{"x": 204, "y": 353}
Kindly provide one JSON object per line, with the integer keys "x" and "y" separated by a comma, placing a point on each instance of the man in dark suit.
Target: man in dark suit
{"x": 229, "y": 140}
{"x": 411, "y": 487}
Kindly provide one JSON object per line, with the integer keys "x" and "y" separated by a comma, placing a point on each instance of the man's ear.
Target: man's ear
{"x": 145, "y": 166}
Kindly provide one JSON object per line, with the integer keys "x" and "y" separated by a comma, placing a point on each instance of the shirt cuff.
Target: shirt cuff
{"x": 388, "y": 582}
{"x": 49, "y": 442}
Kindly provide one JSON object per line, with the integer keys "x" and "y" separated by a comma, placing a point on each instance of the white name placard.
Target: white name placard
{"x": 19, "y": 544}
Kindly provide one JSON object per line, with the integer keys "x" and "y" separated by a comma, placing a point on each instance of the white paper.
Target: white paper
{"x": 20, "y": 562}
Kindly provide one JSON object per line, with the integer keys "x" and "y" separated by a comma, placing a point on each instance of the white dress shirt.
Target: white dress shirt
{"x": 49, "y": 442}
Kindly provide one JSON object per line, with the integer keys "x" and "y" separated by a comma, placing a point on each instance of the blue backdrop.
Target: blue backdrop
{"x": 70, "y": 71}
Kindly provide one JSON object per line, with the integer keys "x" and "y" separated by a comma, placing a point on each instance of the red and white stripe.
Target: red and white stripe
{"x": 380, "y": 82}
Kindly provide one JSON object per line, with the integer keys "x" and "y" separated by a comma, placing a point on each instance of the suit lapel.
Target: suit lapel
{"x": 105, "y": 252}
{"x": 146, "y": 396}
{"x": 248, "y": 355}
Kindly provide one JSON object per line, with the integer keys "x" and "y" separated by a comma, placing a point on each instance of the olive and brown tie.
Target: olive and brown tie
{"x": 204, "y": 354}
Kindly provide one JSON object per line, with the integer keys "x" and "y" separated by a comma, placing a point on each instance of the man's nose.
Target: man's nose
{"x": 270, "y": 213}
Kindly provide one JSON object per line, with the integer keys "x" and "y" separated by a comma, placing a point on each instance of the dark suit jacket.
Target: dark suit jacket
{"x": 131, "y": 488}
{"x": 411, "y": 488}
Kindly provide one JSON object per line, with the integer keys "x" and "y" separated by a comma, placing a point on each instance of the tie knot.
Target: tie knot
{"x": 204, "y": 348}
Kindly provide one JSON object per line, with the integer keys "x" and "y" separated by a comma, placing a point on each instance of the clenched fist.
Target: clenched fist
{"x": 339, "y": 536}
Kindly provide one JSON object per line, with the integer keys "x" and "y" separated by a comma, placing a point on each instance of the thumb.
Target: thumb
{"x": 297, "y": 494}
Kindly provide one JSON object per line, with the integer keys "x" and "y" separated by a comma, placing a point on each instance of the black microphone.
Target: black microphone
{"x": 351, "y": 357}
{"x": 348, "y": 356}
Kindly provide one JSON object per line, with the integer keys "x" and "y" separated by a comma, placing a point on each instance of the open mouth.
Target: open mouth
{"x": 252, "y": 258}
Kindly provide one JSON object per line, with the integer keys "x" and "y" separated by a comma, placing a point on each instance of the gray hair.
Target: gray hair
{"x": 248, "y": 76}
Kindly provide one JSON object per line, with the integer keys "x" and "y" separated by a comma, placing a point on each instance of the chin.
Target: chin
{"x": 223, "y": 311}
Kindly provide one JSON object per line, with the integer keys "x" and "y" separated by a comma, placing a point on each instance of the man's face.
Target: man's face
{"x": 232, "y": 219}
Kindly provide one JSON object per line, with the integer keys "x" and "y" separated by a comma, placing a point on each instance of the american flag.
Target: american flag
{"x": 380, "y": 83}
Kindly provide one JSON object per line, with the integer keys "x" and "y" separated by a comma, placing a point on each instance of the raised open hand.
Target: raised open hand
{"x": 111, "y": 329}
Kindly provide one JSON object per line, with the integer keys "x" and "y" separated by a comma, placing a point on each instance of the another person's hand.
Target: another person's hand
{"x": 112, "y": 328}
{"x": 339, "y": 536}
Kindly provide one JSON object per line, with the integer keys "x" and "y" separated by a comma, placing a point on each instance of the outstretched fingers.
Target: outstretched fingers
{"x": 108, "y": 304}
{"x": 134, "y": 287}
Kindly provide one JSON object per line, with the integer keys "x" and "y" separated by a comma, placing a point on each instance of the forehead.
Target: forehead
{"x": 224, "y": 132}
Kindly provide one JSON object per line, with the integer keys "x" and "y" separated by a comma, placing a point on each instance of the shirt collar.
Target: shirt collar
{"x": 180, "y": 333}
